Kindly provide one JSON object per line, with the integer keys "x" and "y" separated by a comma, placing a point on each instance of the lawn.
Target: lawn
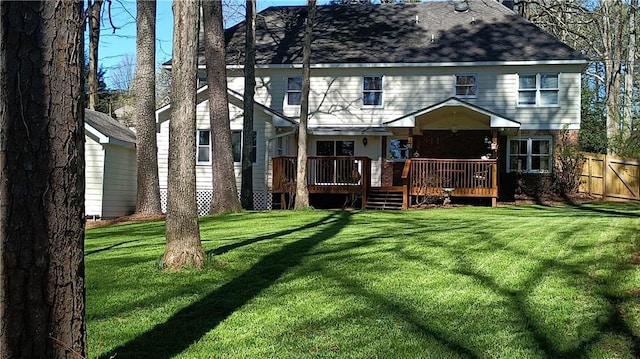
{"x": 467, "y": 282}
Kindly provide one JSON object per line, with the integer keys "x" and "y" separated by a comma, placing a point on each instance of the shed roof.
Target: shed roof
{"x": 109, "y": 127}
{"x": 429, "y": 32}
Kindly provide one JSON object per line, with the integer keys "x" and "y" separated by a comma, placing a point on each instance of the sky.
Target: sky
{"x": 119, "y": 45}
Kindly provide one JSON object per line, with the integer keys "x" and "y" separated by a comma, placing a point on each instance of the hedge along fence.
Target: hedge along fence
{"x": 610, "y": 177}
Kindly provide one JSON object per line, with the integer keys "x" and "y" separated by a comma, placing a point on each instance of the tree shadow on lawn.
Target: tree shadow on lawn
{"x": 574, "y": 272}
{"x": 86, "y": 253}
{"x": 189, "y": 324}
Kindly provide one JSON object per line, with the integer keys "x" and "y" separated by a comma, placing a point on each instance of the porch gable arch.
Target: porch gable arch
{"x": 454, "y": 114}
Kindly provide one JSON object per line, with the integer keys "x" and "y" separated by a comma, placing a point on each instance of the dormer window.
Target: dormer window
{"x": 372, "y": 91}
{"x": 294, "y": 91}
{"x": 538, "y": 90}
{"x": 466, "y": 86}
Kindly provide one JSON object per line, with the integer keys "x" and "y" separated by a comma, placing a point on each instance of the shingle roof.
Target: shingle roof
{"x": 430, "y": 32}
{"x": 108, "y": 126}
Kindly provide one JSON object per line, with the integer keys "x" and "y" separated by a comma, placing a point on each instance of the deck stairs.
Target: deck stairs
{"x": 384, "y": 198}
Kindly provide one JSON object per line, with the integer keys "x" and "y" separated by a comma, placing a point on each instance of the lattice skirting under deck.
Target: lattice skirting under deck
{"x": 261, "y": 200}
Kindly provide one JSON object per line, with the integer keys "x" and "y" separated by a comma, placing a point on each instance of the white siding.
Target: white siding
{"x": 94, "y": 176}
{"x": 336, "y": 94}
{"x": 119, "y": 181}
{"x": 203, "y": 172}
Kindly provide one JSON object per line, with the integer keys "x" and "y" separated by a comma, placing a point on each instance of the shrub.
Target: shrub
{"x": 568, "y": 165}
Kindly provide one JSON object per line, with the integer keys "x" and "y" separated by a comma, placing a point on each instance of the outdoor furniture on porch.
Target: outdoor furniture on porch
{"x": 466, "y": 178}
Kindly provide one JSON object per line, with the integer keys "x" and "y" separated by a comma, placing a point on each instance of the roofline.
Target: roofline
{"x": 416, "y": 64}
{"x": 583, "y": 62}
{"x": 104, "y": 139}
{"x": 237, "y": 95}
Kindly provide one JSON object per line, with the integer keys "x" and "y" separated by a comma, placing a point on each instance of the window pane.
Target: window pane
{"x": 372, "y": 83}
{"x": 255, "y": 147}
{"x": 545, "y": 164}
{"x": 203, "y": 154}
{"x": 465, "y": 91}
{"x": 294, "y": 83}
{"x": 518, "y": 147}
{"x": 517, "y": 163}
{"x": 548, "y": 97}
{"x": 528, "y": 82}
{"x": 324, "y": 148}
{"x": 549, "y": 81}
{"x": 372, "y": 98}
{"x": 294, "y": 98}
{"x": 465, "y": 80}
{"x": 540, "y": 147}
{"x": 203, "y": 137}
{"x": 398, "y": 149}
{"x": 344, "y": 148}
{"x": 527, "y": 98}
{"x": 236, "y": 145}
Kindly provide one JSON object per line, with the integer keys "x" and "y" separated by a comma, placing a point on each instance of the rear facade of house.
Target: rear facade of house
{"x": 414, "y": 100}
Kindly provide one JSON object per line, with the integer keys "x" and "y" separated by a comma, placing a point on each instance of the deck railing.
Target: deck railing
{"x": 460, "y": 177}
{"x": 325, "y": 174}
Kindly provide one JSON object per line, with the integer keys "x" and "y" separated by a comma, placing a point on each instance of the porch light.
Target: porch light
{"x": 365, "y": 141}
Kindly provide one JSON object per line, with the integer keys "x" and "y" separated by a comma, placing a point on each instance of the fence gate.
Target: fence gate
{"x": 610, "y": 177}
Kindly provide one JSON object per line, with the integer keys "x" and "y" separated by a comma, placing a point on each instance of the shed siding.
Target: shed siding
{"x": 94, "y": 177}
{"x": 119, "y": 181}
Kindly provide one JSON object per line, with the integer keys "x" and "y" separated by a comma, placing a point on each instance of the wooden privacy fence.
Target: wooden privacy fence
{"x": 610, "y": 177}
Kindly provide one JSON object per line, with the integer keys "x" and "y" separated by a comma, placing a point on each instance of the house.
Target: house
{"x": 110, "y": 167}
{"x": 407, "y": 100}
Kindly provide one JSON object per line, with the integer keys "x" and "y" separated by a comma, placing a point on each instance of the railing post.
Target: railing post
{"x": 494, "y": 184}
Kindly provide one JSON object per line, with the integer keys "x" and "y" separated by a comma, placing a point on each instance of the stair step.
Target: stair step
{"x": 387, "y": 198}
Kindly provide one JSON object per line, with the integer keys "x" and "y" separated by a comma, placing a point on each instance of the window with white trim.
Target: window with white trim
{"x": 203, "y": 150}
{"x": 538, "y": 89}
{"x": 466, "y": 86}
{"x": 236, "y": 146}
{"x": 529, "y": 155}
{"x": 372, "y": 91}
{"x": 294, "y": 91}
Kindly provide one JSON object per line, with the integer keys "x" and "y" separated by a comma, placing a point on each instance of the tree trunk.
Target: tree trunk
{"x": 94, "y": 40}
{"x": 42, "y": 305}
{"x": 246, "y": 187}
{"x": 629, "y": 73}
{"x": 183, "y": 234}
{"x": 225, "y": 192}
{"x": 148, "y": 192}
{"x": 302, "y": 192}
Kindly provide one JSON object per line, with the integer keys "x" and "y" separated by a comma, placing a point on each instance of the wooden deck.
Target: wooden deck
{"x": 458, "y": 177}
{"x": 421, "y": 177}
{"x": 325, "y": 174}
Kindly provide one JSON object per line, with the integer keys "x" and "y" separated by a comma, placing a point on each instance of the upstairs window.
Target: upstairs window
{"x": 294, "y": 91}
{"x": 203, "y": 151}
{"x": 466, "y": 86}
{"x": 529, "y": 155}
{"x": 372, "y": 91}
{"x": 538, "y": 90}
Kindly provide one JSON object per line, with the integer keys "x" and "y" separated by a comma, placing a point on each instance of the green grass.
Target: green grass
{"x": 467, "y": 282}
